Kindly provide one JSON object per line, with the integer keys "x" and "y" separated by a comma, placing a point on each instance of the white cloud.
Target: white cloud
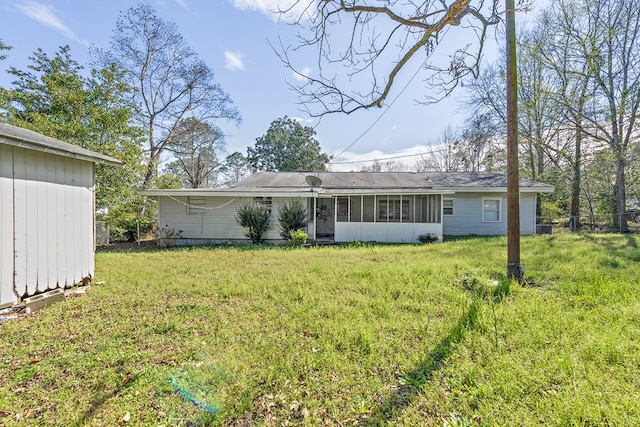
{"x": 302, "y": 74}
{"x": 279, "y": 10}
{"x": 182, "y": 3}
{"x": 233, "y": 60}
{"x": 46, "y": 15}
{"x": 304, "y": 122}
{"x": 349, "y": 161}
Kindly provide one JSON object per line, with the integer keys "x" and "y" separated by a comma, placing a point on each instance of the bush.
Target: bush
{"x": 298, "y": 238}
{"x": 123, "y": 224}
{"x": 292, "y": 217}
{"x": 166, "y": 237}
{"x": 428, "y": 238}
{"x": 255, "y": 218}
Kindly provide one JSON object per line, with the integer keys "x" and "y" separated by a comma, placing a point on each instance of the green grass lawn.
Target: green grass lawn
{"x": 359, "y": 335}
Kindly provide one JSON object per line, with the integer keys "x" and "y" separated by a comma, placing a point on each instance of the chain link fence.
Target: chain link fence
{"x": 628, "y": 222}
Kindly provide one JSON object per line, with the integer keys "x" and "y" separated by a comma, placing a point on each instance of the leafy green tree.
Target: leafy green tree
{"x": 4, "y": 99}
{"x": 292, "y": 217}
{"x": 287, "y": 146}
{"x": 55, "y": 99}
{"x": 169, "y": 81}
{"x": 255, "y": 218}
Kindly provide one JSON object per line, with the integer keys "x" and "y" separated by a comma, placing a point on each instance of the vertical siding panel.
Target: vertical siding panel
{"x": 42, "y": 211}
{"x": 31, "y": 226}
{"x": 20, "y": 214}
{"x": 85, "y": 245}
{"x": 52, "y": 220}
{"x": 6, "y": 226}
{"x": 73, "y": 225}
{"x": 61, "y": 190}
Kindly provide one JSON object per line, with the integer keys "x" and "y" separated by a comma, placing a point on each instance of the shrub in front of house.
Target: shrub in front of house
{"x": 166, "y": 237}
{"x": 255, "y": 218}
{"x": 428, "y": 238}
{"x": 292, "y": 217}
{"x": 298, "y": 238}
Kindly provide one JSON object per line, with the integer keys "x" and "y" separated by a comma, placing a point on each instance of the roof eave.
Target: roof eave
{"x": 35, "y": 146}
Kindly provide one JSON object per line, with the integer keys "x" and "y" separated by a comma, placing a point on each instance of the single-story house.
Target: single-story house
{"x": 354, "y": 206}
{"x": 46, "y": 213}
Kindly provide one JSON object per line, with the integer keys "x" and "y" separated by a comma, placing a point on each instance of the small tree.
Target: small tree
{"x": 292, "y": 217}
{"x": 255, "y": 218}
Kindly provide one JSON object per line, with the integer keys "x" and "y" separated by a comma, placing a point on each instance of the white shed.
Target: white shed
{"x": 47, "y": 213}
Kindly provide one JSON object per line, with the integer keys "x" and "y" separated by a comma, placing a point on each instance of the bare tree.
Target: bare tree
{"x": 574, "y": 86}
{"x": 540, "y": 117}
{"x": 361, "y": 48}
{"x": 441, "y": 155}
{"x": 473, "y": 148}
{"x": 386, "y": 166}
{"x": 197, "y": 148}
{"x": 605, "y": 36}
{"x": 170, "y": 82}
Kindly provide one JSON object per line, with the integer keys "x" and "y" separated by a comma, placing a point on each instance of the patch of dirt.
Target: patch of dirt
{"x": 130, "y": 246}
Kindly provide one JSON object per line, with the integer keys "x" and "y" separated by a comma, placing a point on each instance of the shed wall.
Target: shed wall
{"x": 7, "y": 295}
{"x": 52, "y": 225}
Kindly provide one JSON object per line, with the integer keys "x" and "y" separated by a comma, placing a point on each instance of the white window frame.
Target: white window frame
{"x": 484, "y": 212}
{"x": 453, "y": 206}
{"x": 196, "y": 205}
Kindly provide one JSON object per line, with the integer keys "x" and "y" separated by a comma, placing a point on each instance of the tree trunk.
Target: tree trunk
{"x": 620, "y": 219}
{"x": 574, "y": 221}
{"x": 514, "y": 268}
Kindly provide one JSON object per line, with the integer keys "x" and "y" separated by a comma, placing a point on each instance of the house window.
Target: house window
{"x": 265, "y": 201}
{"x": 448, "y": 206}
{"x": 394, "y": 209}
{"x": 196, "y": 205}
{"x": 491, "y": 210}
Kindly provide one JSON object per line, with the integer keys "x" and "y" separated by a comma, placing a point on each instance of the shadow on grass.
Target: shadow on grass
{"x": 631, "y": 241}
{"x": 103, "y": 397}
{"x": 387, "y": 412}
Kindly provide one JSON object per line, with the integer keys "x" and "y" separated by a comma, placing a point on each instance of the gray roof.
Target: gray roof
{"x": 365, "y": 182}
{"x": 25, "y": 138}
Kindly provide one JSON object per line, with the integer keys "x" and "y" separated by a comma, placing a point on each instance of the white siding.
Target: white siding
{"x": 468, "y": 215}
{"x": 218, "y": 222}
{"x": 51, "y": 235}
{"x": 384, "y": 231}
{"x": 7, "y": 295}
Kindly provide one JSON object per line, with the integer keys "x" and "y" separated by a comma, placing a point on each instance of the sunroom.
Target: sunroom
{"x": 378, "y": 217}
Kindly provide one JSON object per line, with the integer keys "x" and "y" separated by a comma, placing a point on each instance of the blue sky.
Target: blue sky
{"x": 232, "y": 37}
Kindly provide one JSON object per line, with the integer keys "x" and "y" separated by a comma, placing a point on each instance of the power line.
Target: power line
{"x": 386, "y": 110}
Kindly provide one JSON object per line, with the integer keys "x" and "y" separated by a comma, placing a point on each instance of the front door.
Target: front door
{"x": 325, "y": 218}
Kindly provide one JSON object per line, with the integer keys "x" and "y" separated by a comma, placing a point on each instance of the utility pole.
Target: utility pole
{"x": 514, "y": 268}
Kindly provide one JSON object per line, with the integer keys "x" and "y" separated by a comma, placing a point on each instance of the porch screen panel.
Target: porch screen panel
{"x": 355, "y": 212}
{"x": 434, "y": 208}
{"x": 369, "y": 211}
{"x": 383, "y": 208}
{"x": 343, "y": 209}
{"x": 428, "y": 208}
{"x": 310, "y": 210}
{"x": 394, "y": 209}
{"x": 407, "y": 208}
